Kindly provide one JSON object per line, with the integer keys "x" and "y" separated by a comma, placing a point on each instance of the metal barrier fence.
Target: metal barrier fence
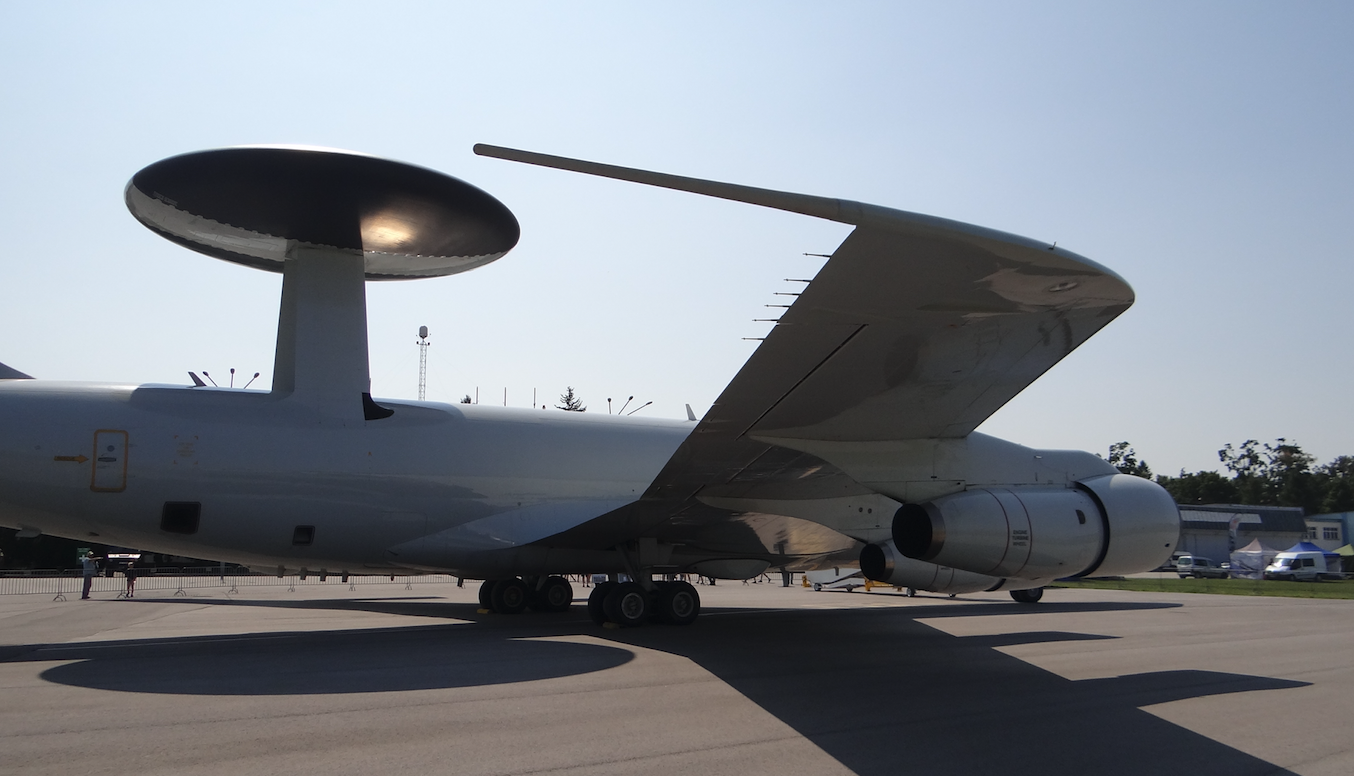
{"x": 61, "y": 585}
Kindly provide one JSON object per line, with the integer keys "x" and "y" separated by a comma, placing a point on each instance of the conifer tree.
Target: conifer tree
{"x": 569, "y": 402}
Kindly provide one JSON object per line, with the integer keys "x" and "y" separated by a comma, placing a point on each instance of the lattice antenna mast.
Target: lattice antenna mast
{"x": 423, "y": 362}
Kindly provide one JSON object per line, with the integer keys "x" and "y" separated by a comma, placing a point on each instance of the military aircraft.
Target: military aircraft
{"x": 849, "y": 433}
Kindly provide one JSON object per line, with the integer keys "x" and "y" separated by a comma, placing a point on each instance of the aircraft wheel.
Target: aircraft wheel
{"x": 555, "y": 595}
{"x": 1031, "y": 596}
{"x": 817, "y": 586}
{"x": 678, "y": 603}
{"x": 596, "y": 599}
{"x": 627, "y": 604}
{"x": 487, "y": 594}
{"x": 509, "y": 596}
{"x": 912, "y": 592}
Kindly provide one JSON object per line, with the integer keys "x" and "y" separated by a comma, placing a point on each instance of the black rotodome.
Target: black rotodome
{"x": 247, "y": 204}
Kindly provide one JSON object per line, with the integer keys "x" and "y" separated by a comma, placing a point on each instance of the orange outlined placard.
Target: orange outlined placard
{"x": 110, "y": 461}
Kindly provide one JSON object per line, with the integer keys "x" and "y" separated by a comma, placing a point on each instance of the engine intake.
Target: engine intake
{"x": 1112, "y": 524}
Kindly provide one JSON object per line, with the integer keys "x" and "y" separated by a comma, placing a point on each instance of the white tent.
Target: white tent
{"x": 1249, "y": 562}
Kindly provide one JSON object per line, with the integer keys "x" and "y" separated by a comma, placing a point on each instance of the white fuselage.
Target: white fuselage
{"x": 476, "y": 478}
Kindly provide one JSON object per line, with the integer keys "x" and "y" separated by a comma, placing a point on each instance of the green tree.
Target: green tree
{"x": 569, "y": 402}
{"x": 1247, "y": 465}
{"x": 1200, "y": 488}
{"x": 1292, "y": 478}
{"x": 1278, "y": 474}
{"x": 1124, "y": 458}
{"x": 1274, "y": 475}
{"x": 466, "y": 399}
{"x": 1337, "y": 484}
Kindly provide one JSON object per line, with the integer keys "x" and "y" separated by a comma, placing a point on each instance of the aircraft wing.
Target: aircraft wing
{"x": 915, "y": 328}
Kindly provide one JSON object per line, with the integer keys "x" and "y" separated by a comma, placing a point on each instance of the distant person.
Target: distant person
{"x": 130, "y": 574}
{"x": 89, "y": 566}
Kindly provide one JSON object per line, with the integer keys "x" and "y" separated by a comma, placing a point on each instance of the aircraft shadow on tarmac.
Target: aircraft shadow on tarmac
{"x": 875, "y": 688}
{"x": 886, "y": 694}
{"x": 322, "y": 662}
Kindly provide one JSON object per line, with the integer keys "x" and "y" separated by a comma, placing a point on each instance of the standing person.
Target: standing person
{"x": 130, "y": 574}
{"x": 89, "y": 567}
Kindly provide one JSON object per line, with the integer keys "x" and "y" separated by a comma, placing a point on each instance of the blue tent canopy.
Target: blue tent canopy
{"x": 1308, "y": 547}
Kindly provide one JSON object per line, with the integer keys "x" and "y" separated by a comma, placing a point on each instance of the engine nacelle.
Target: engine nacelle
{"x": 1107, "y": 525}
{"x": 883, "y": 563}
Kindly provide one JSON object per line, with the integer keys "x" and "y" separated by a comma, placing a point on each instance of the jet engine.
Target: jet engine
{"x": 1106, "y": 525}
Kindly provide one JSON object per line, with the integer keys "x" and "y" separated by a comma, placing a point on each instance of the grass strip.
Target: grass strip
{"x": 1263, "y": 587}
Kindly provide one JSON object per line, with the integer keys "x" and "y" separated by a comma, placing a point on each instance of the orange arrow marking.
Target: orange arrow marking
{"x": 71, "y": 458}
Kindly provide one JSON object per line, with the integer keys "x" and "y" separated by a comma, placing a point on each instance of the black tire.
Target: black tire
{"x": 596, "y": 609}
{"x": 1030, "y": 596}
{"x": 627, "y": 604}
{"x": 487, "y": 594}
{"x": 509, "y": 596}
{"x": 678, "y": 603}
{"x": 555, "y": 595}
{"x": 817, "y": 586}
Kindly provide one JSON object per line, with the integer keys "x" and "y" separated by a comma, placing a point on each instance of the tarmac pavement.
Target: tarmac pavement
{"x": 770, "y": 680}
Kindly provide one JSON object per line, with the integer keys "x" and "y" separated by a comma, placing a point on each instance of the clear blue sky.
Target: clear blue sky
{"x": 1202, "y": 150}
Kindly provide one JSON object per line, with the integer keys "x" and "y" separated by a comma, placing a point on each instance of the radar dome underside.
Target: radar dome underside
{"x": 251, "y": 205}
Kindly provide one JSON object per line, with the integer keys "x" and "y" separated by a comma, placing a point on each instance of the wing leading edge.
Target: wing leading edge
{"x": 915, "y": 328}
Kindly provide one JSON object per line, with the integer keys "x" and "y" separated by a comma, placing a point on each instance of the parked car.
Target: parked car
{"x": 1169, "y": 563}
{"x": 1300, "y": 567}
{"x": 1199, "y": 568}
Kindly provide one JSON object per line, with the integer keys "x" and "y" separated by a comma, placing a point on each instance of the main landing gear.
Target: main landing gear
{"x": 1030, "y": 596}
{"x": 627, "y": 604}
{"x": 623, "y": 604}
{"x": 514, "y": 595}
